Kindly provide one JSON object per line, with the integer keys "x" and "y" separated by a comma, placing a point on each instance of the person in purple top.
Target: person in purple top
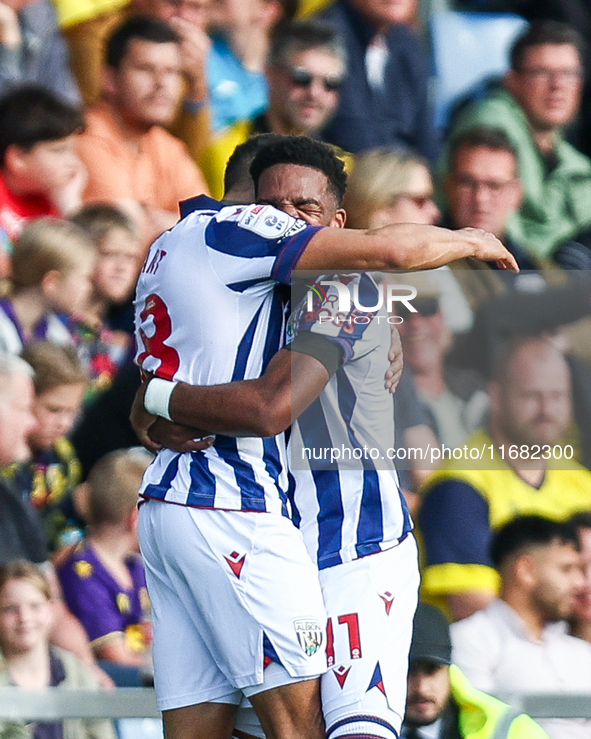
{"x": 103, "y": 579}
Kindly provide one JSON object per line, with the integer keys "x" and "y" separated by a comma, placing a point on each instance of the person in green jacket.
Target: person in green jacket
{"x": 539, "y": 96}
{"x": 441, "y": 703}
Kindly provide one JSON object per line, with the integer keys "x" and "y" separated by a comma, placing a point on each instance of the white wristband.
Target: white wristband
{"x": 157, "y": 397}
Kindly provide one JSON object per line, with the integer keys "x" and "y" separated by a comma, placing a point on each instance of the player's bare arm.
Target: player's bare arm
{"x": 401, "y": 246}
{"x": 261, "y": 407}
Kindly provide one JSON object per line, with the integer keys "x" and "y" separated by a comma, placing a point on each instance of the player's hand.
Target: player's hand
{"x": 489, "y": 249}
{"x": 396, "y": 357}
{"x": 141, "y": 421}
{"x": 168, "y": 435}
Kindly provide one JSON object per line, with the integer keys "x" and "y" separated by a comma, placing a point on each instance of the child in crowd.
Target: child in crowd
{"x": 52, "y": 264}
{"x": 103, "y": 343}
{"x": 40, "y": 172}
{"x": 103, "y": 580}
{"x": 27, "y": 660}
{"x": 52, "y": 474}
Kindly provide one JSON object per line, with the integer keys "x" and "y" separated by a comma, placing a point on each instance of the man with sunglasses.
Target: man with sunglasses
{"x": 305, "y": 71}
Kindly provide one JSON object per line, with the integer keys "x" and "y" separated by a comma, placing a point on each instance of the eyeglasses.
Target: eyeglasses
{"x": 300, "y": 77}
{"x": 494, "y": 187}
{"x": 545, "y": 75}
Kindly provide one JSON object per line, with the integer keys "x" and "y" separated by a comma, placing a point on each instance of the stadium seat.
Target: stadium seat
{"x": 468, "y": 48}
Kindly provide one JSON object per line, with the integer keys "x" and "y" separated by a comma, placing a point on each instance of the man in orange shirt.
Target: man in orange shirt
{"x": 130, "y": 158}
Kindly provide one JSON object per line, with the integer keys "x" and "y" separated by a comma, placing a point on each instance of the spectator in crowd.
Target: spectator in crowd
{"x": 32, "y": 48}
{"x": 387, "y": 186}
{"x": 129, "y": 156}
{"x": 28, "y": 660}
{"x": 22, "y": 535}
{"x": 540, "y": 96}
{"x": 51, "y": 475}
{"x": 103, "y": 580}
{"x": 40, "y": 173}
{"x": 454, "y": 397}
{"x": 441, "y": 703}
{"x": 240, "y": 43}
{"x": 520, "y": 642}
{"x": 102, "y": 344}
{"x": 384, "y": 98}
{"x": 581, "y": 617}
{"x": 52, "y": 265}
{"x": 466, "y": 500}
{"x": 482, "y": 186}
{"x": 305, "y": 70}
{"x": 21, "y": 530}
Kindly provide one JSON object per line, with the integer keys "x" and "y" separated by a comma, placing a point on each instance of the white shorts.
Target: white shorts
{"x": 371, "y": 603}
{"x": 220, "y": 582}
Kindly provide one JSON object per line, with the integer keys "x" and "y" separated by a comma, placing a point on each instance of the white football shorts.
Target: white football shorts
{"x": 370, "y": 604}
{"x": 229, "y": 589}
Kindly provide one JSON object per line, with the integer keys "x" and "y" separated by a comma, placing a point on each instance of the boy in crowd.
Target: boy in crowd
{"x": 103, "y": 580}
{"x": 40, "y": 173}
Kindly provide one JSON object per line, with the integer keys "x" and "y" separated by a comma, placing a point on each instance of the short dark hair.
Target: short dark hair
{"x": 31, "y": 114}
{"x": 307, "y": 153}
{"x": 481, "y": 135}
{"x": 524, "y": 532}
{"x": 581, "y": 520}
{"x": 544, "y": 32}
{"x": 293, "y": 38}
{"x": 141, "y": 27}
{"x": 237, "y": 168}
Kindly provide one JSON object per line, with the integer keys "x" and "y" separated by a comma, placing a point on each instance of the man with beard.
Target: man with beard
{"x": 530, "y": 397}
{"x": 441, "y": 703}
{"x": 520, "y": 643}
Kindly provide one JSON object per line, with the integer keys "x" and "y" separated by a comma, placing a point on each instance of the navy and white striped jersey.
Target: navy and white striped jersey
{"x": 344, "y": 489}
{"x": 209, "y": 311}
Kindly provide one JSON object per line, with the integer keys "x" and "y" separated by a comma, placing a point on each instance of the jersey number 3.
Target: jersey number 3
{"x": 154, "y": 345}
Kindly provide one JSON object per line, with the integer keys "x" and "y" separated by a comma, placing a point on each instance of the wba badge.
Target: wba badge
{"x": 309, "y": 634}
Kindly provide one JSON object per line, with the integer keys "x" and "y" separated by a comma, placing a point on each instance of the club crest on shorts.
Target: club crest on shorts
{"x": 309, "y": 633}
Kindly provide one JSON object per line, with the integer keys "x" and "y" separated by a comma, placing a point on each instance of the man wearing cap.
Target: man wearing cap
{"x": 441, "y": 703}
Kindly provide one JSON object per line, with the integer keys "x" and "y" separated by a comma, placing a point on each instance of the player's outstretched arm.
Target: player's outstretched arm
{"x": 401, "y": 246}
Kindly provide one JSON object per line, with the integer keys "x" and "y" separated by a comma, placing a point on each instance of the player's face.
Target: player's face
{"x": 483, "y": 189}
{"x": 55, "y": 411}
{"x": 583, "y": 604}
{"x": 559, "y": 580}
{"x": 117, "y": 265}
{"x": 534, "y": 405}
{"x": 428, "y": 693}
{"x": 303, "y": 192}
{"x": 16, "y": 420}
{"x": 147, "y": 87}
{"x": 26, "y": 617}
{"x": 305, "y": 95}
